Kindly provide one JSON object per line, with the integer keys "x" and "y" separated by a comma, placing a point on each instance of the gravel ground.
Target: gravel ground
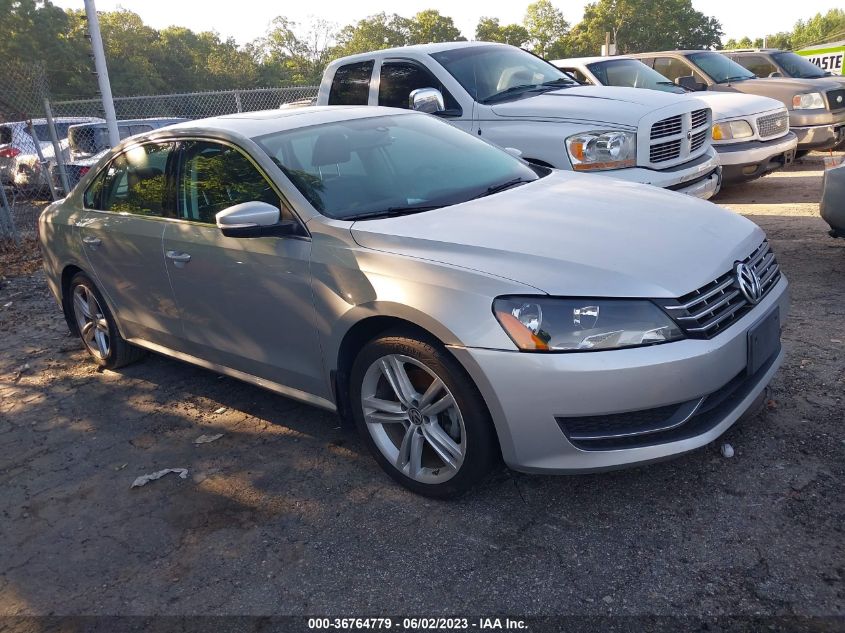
{"x": 287, "y": 514}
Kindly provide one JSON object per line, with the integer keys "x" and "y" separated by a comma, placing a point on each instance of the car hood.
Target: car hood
{"x": 731, "y": 105}
{"x": 577, "y": 235}
{"x": 602, "y": 104}
{"x": 780, "y": 86}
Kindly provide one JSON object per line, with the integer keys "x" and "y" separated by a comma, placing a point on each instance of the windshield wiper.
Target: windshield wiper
{"x": 392, "y": 212}
{"x": 560, "y": 81}
{"x": 502, "y": 186}
{"x": 738, "y": 78}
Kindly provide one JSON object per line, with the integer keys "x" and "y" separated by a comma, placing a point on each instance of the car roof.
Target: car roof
{"x": 57, "y": 119}
{"x": 427, "y": 49}
{"x": 156, "y": 119}
{"x": 753, "y": 50}
{"x": 590, "y": 60}
{"x": 678, "y": 52}
{"x": 261, "y": 122}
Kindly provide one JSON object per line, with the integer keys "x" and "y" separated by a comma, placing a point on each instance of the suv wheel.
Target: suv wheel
{"x": 421, "y": 416}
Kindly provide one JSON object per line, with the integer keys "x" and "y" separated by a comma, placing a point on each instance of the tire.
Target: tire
{"x": 94, "y": 324}
{"x": 437, "y": 438}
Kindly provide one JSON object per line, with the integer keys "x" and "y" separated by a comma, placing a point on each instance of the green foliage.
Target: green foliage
{"x": 818, "y": 29}
{"x": 429, "y": 26}
{"x": 373, "y": 33}
{"x": 489, "y": 30}
{"x": 545, "y": 24}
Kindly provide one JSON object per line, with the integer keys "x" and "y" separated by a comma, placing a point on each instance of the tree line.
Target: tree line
{"x": 144, "y": 60}
{"x": 819, "y": 29}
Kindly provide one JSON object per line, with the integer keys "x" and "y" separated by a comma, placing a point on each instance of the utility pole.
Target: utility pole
{"x": 102, "y": 71}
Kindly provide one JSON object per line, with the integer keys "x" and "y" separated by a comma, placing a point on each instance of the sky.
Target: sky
{"x": 246, "y": 20}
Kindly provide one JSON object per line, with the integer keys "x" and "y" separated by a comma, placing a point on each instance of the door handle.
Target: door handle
{"x": 178, "y": 258}
{"x": 92, "y": 241}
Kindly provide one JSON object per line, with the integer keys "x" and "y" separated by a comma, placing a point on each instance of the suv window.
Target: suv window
{"x": 134, "y": 182}
{"x": 757, "y": 64}
{"x": 351, "y": 84}
{"x": 399, "y": 79}
{"x": 672, "y": 68}
{"x": 214, "y": 177}
{"x": 5, "y": 135}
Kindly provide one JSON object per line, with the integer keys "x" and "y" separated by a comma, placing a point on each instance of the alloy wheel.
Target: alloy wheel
{"x": 91, "y": 321}
{"x": 413, "y": 418}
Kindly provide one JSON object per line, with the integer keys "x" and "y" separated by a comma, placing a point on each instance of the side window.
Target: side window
{"x": 577, "y": 74}
{"x": 214, "y": 177}
{"x": 672, "y": 68}
{"x": 135, "y": 182}
{"x": 399, "y": 79}
{"x": 351, "y": 84}
{"x": 757, "y": 64}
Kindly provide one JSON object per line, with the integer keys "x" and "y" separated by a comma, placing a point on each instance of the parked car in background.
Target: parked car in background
{"x": 89, "y": 141}
{"x": 514, "y": 99}
{"x": 19, "y": 163}
{"x": 456, "y": 303}
{"x": 750, "y": 133}
{"x": 773, "y": 62}
{"x": 815, "y": 115}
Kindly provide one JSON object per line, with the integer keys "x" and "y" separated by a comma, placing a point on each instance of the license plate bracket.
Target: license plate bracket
{"x": 763, "y": 341}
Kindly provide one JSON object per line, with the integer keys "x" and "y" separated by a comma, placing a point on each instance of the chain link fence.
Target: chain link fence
{"x": 47, "y": 146}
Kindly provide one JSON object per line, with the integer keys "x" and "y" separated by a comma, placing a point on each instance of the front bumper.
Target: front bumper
{"x": 527, "y": 394}
{"x": 700, "y": 178}
{"x": 820, "y": 137}
{"x": 752, "y": 159}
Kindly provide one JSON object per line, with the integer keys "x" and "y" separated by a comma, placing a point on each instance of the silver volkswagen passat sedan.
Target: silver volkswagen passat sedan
{"x": 458, "y": 304}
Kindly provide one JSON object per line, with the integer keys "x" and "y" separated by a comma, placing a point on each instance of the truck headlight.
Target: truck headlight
{"x": 546, "y": 324}
{"x": 593, "y": 151}
{"x": 726, "y": 130}
{"x": 808, "y": 101}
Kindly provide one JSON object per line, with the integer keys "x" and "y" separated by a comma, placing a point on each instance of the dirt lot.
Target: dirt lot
{"x": 287, "y": 514}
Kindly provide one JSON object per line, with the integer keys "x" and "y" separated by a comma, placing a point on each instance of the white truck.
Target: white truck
{"x": 517, "y": 100}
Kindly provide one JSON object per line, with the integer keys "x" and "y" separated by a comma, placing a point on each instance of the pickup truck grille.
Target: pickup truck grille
{"x": 711, "y": 309}
{"x": 679, "y": 138}
{"x": 773, "y": 124}
{"x": 836, "y": 99}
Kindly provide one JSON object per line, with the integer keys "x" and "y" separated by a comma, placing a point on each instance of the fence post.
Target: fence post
{"x": 102, "y": 71}
{"x": 57, "y": 149}
{"x": 6, "y": 217}
{"x": 238, "y": 101}
{"x": 41, "y": 159}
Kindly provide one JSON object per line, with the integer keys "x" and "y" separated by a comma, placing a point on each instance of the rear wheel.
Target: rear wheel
{"x": 96, "y": 326}
{"x": 421, "y": 416}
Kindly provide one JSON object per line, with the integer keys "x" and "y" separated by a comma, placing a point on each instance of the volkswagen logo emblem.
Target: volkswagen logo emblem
{"x": 749, "y": 283}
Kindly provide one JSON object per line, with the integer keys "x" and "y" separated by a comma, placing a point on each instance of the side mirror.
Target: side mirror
{"x": 428, "y": 100}
{"x": 689, "y": 82}
{"x": 253, "y": 219}
{"x": 776, "y": 74}
{"x": 514, "y": 152}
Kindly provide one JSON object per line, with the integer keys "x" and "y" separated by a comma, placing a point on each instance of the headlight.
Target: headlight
{"x": 544, "y": 324}
{"x": 602, "y": 150}
{"x": 809, "y": 101}
{"x": 727, "y": 130}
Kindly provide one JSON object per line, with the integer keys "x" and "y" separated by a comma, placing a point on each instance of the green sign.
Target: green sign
{"x": 829, "y": 59}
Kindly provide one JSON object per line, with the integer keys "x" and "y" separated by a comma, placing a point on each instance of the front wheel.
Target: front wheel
{"x": 421, "y": 416}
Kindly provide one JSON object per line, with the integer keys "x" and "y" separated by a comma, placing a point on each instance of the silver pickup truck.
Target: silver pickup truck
{"x": 815, "y": 114}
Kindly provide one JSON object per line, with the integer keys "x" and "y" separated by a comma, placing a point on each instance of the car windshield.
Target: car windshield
{"x": 391, "y": 165}
{"x": 721, "y": 69}
{"x": 493, "y": 73}
{"x": 631, "y": 73}
{"x": 797, "y": 66}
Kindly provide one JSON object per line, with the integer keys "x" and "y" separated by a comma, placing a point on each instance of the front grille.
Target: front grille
{"x": 678, "y": 138}
{"x": 667, "y": 127}
{"x": 698, "y": 140}
{"x": 652, "y": 427}
{"x": 665, "y": 151}
{"x": 836, "y": 99}
{"x": 699, "y": 118}
{"x": 711, "y": 309}
{"x": 773, "y": 124}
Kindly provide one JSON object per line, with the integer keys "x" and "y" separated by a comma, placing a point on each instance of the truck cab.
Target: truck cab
{"x": 514, "y": 99}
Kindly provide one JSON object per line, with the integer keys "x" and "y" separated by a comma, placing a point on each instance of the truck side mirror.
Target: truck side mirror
{"x": 689, "y": 82}
{"x": 428, "y": 100}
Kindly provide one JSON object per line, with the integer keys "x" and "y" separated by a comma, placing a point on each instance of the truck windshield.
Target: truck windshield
{"x": 492, "y": 73}
{"x": 797, "y": 66}
{"x": 631, "y": 73}
{"x": 721, "y": 69}
{"x": 391, "y": 165}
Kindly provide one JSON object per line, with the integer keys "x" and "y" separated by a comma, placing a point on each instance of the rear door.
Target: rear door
{"x": 128, "y": 207}
{"x": 245, "y": 303}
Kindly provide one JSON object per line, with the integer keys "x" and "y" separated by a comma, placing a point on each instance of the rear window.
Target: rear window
{"x": 5, "y": 135}
{"x": 351, "y": 84}
{"x": 42, "y": 131}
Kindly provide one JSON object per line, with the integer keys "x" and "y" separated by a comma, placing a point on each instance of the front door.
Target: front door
{"x": 245, "y": 303}
{"x": 127, "y": 207}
